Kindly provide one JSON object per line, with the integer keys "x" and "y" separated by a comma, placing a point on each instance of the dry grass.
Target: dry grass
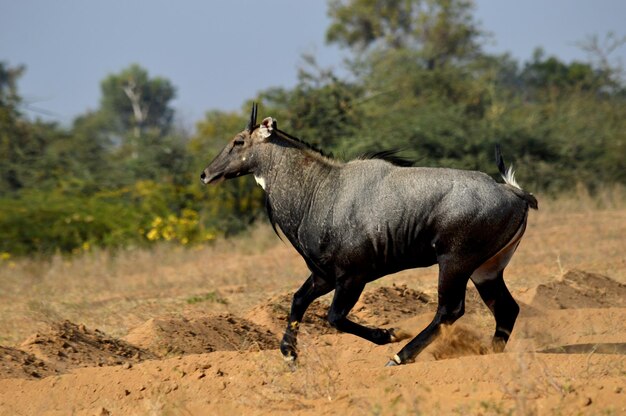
{"x": 571, "y": 232}
{"x": 115, "y": 291}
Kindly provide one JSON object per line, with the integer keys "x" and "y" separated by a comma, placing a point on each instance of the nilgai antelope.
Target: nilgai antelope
{"x": 358, "y": 221}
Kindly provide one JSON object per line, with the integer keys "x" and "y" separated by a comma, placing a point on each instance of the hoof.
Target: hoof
{"x": 288, "y": 351}
{"x": 395, "y": 361}
{"x": 498, "y": 344}
{"x": 290, "y": 360}
{"x": 396, "y": 335}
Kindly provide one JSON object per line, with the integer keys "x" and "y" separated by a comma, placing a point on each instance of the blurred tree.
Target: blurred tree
{"x": 90, "y": 150}
{"x": 320, "y": 109}
{"x": 9, "y": 97}
{"x": 551, "y": 75}
{"x": 600, "y": 52}
{"x": 444, "y": 31}
{"x": 426, "y": 87}
{"x": 25, "y": 160}
{"x": 422, "y": 78}
{"x": 137, "y": 104}
{"x": 10, "y": 128}
{"x": 140, "y": 117}
{"x": 163, "y": 159}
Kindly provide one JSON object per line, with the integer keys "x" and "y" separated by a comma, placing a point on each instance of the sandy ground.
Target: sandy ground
{"x": 178, "y": 347}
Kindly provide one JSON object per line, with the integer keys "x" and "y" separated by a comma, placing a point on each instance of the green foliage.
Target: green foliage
{"x": 443, "y": 31}
{"x": 319, "y": 109}
{"x": 426, "y": 88}
{"x": 21, "y": 145}
{"x": 48, "y": 222}
{"x": 550, "y": 75}
{"x": 72, "y": 189}
{"x": 146, "y": 213}
{"x": 359, "y": 23}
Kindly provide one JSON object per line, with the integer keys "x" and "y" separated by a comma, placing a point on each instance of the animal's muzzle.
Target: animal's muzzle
{"x": 214, "y": 178}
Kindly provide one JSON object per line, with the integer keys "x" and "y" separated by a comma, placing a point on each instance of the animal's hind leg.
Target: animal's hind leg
{"x": 451, "y": 307}
{"x": 313, "y": 288}
{"x": 500, "y": 302}
{"x": 346, "y": 295}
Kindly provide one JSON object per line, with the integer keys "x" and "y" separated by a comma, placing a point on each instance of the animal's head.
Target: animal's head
{"x": 242, "y": 154}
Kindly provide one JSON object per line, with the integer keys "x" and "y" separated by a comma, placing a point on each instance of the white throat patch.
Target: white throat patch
{"x": 260, "y": 181}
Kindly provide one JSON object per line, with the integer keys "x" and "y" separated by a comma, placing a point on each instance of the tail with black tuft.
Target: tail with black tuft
{"x": 508, "y": 174}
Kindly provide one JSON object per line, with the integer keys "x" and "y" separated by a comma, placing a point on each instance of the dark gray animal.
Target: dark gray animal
{"x": 355, "y": 222}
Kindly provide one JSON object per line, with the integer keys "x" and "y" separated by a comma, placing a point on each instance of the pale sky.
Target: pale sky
{"x": 220, "y": 53}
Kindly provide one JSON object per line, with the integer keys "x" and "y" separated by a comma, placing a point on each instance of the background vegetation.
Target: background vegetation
{"x": 420, "y": 81}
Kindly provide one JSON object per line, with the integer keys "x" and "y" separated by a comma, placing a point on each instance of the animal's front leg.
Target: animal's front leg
{"x": 313, "y": 288}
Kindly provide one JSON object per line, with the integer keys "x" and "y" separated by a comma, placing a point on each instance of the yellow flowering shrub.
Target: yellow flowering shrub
{"x": 184, "y": 229}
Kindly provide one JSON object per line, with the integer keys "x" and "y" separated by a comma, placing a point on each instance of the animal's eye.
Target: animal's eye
{"x": 238, "y": 142}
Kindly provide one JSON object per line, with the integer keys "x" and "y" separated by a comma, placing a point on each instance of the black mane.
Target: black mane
{"x": 306, "y": 144}
{"x": 390, "y": 156}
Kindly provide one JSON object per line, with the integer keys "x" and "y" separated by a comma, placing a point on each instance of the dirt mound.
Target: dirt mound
{"x": 579, "y": 289}
{"x": 379, "y": 306}
{"x": 388, "y": 304}
{"x": 180, "y": 336}
{"x": 15, "y": 363}
{"x": 273, "y": 314}
{"x": 559, "y": 328}
{"x": 68, "y": 345}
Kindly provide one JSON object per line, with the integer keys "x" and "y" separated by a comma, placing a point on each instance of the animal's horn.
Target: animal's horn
{"x": 252, "y": 121}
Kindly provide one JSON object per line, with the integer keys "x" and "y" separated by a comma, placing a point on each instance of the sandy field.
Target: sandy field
{"x": 195, "y": 331}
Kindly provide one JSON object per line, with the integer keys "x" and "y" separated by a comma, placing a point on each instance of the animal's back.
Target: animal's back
{"x": 376, "y": 191}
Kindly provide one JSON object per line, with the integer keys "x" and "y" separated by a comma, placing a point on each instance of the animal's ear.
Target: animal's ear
{"x": 268, "y": 125}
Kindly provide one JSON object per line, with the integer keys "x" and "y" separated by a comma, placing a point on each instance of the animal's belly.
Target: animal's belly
{"x": 377, "y": 260}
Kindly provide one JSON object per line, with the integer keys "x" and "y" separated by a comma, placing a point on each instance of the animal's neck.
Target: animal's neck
{"x": 291, "y": 179}
{"x": 292, "y": 166}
